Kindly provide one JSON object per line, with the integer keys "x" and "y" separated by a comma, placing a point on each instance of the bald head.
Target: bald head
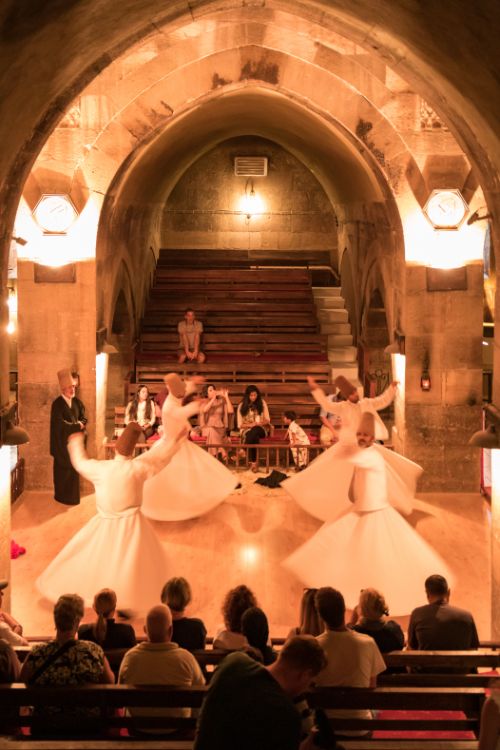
{"x": 159, "y": 624}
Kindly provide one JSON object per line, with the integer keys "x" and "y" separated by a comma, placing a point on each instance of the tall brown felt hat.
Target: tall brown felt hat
{"x": 65, "y": 379}
{"x": 367, "y": 423}
{"x": 175, "y": 385}
{"x": 126, "y": 442}
{"x": 344, "y": 386}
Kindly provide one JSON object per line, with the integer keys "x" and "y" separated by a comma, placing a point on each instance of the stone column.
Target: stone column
{"x": 57, "y": 329}
{"x": 445, "y": 326}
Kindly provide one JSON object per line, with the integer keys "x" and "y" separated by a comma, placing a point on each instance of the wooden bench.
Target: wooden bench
{"x": 467, "y": 701}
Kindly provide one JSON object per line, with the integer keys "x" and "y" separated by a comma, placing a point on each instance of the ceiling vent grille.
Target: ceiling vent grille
{"x": 250, "y": 166}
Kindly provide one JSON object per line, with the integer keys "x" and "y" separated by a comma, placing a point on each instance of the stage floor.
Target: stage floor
{"x": 243, "y": 541}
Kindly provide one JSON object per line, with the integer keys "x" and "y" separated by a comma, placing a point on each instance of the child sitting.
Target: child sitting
{"x": 296, "y": 436}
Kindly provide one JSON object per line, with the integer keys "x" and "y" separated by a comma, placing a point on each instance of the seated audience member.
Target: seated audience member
{"x": 214, "y": 419}
{"x": 310, "y": 622}
{"x": 296, "y": 437}
{"x": 10, "y": 669}
{"x": 10, "y": 666}
{"x": 249, "y": 706}
{"x": 354, "y": 659}
{"x": 437, "y": 626}
{"x": 66, "y": 661}
{"x": 255, "y": 628}
{"x": 330, "y": 423}
{"x": 190, "y": 331}
{"x": 253, "y": 421}
{"x": 142, "y": 410}
{"x": 369, "y": 617}
{"x": 158, "y": 661}
{"x": 237, "y": 601}
{"x": 10, "y": 629}
{"x": 188, "y": 632}
{"x": 489, "y": 734}
{"x": 105, "y": 631}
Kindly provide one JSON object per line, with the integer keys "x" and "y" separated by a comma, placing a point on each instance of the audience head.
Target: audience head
{"x": 436, "y": 588}
{"x": 372, "y": 605}
{"x": 331, "y": 607}
{"x": 255, "y": 627}
{"x": 176, "y": 594}
{"x": 189, "y": 315}
{"x": 142, "y": 393}
{"x": 310, "y": 623}
{"x": 9, "y": 663}
{"x": 209, "y": 390}
{"x": 237, "y": 600}
{"x": 299, "y": 661}
{"x": 251, "y": 398}
{"x": 289, "y": 416}
{"x": 68, "y": 611}
{"x": 104, "y": 606}
{"x": 158, "y": 625}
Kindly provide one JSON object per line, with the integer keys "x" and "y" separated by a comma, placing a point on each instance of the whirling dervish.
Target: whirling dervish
{"x": 369, "y": 544}
{"x": 194, "y": 482}
{"x": 323, "y": 488}
{"x": 118, "y": 548}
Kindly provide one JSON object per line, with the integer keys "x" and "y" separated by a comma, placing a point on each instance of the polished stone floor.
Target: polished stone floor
{"x": 243, "y": 541}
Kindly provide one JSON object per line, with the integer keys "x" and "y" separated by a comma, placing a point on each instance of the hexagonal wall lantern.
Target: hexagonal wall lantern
{"x": 55, "y": 213}
{"x": 446, "y": 209}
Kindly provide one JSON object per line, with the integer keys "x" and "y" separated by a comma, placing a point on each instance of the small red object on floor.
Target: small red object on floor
{"x": 16, "y": 550}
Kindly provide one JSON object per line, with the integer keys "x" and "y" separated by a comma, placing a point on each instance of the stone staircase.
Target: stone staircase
{"x": 334, "y": 322}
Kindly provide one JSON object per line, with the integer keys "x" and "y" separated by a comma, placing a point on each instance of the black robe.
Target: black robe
{"x": 64, "y": 421}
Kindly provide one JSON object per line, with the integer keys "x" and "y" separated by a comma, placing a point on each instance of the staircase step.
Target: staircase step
{"x": 330, "y": 326}
{"x": 351, "y": 373}
{"x": 334, "y": 316}
{"x": 336, "y": 339}
{"x": 330, "y": 303}
{"x": 327, "y": 291}
{"x": 342, "y": 354}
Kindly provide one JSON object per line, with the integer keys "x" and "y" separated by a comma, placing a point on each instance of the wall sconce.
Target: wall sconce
{"x": 251, "y": 204}
{"x": 398, "y": 343}
{"x": 425, "y": 378}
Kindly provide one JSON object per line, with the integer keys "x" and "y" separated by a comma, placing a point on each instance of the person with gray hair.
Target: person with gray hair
{"x": 66, "y": 661}
{"x": 158, "y": 661}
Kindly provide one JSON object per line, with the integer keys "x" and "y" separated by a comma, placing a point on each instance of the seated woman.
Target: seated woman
{"x": 253, "y": 421}
{"x": 236, "y": 602}
{"x": 66, "y": 661}
{"x": 105, "y": 631}
{"x": 310, "y": 621}
{"x": 188, "y": 632}
{"x": 255, "y": 628}
{"x": 214, "y": 418}
{"x": 369, "y": 617}
{"x": 142, "y": 410}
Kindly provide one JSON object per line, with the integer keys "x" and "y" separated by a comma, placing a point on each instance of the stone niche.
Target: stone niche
{"x": 204, "y": 212}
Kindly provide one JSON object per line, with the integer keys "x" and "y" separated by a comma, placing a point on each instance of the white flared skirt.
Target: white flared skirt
{"x": 192, "y": 484}
{"x": 369, "y": 550}
{"x": 120, "y": 552}
{"x": 323, "y": 488}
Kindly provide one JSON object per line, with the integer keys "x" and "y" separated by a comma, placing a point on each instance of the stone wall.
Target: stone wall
{"x": 203, "y": 210}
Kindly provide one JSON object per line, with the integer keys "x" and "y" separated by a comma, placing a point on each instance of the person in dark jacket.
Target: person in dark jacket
{"x": 105, "y": 631}
{"x": 370, "y": 618}
{"x": 67, "y": 415}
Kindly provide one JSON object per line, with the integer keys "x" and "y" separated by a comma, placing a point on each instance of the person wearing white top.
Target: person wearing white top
{"x": 369, "y": 545}
{"x": 118, "y": 548}
{"x": 141, "y": 409}
{"x": 297, "y": 436}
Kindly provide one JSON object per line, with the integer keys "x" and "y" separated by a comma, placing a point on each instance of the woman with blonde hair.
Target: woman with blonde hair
{"x": 105, "y": 631}
{"x": 188, "y": 632}
{"x": 310, "y": 621}
{"x": 370, "y": 617}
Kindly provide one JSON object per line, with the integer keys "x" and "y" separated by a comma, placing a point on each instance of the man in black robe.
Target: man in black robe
{"x": 67, "y": 416}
